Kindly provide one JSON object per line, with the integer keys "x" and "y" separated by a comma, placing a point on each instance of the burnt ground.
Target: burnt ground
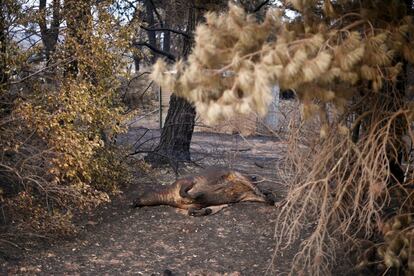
{"x": 117, "y": 240}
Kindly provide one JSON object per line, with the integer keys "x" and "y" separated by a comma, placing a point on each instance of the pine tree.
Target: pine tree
{"x": 347, "y": 63}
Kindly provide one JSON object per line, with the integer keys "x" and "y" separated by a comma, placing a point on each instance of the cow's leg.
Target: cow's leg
{"x": 265, "y": 198}
{"x": 206, "y": 211}
{"x": 217, "y": 208}
{"x": 194, "y": 212}
{"x": 185, "y": 187}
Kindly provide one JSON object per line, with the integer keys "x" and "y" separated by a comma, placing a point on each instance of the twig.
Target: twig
{"x": 155, "y": 50}
{"x": 145, "y": 91}
{"x": 260, "y": 6}
{"x": 145, "y": 132}
{"x": 137, "y": 77}
{"x": 259, "y": 165}
{"x": 64, "y": 62}
{"x": 142, "y": 117}
{"x": 241, "y": 150}
{"x": 157, "y": 13}
{"x": 10, "y": 243}
{"x": 166, "y": 29}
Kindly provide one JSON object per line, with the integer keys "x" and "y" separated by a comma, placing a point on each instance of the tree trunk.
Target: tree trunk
{"x": 396, "y": 157}
{"x": 49, "y": 35}
{"x": 176, "y": 135}
{"x": 152, "y": 39}
{"x": 137, "y": 62}
{"x": 79, "y": 28}
{"x": 3, "y": 47}
{"x": 166, "y": 43}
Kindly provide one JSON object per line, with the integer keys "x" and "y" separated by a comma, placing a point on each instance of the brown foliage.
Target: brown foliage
{"x": 54, "y": 160}
{"x": 341, "y": 189}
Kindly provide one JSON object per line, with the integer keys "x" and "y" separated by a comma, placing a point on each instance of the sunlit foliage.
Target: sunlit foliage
{"x": 58, "y": 115}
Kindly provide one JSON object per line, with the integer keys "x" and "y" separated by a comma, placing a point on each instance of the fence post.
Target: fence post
{"x": 160, "y": 102}
{"x": 271, "y": 120}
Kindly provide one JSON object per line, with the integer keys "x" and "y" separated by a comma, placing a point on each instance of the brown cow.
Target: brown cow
{"x": 207, "y": 192}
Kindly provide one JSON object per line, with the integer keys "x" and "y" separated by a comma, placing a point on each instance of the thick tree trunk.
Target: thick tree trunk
{"x": 176, "y": 135}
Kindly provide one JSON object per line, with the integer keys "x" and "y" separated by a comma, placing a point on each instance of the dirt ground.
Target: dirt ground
{"x": 118, "y": 240}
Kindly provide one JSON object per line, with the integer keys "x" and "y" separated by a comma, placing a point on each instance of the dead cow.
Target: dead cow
{"x": 207, "y": 192}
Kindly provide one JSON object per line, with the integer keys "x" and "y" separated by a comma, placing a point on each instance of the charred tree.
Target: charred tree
{"x": 152, "y": 38}
{"x": 151, "y": 43}
{"x": 3, "y": 47}
{"x": 49, "y": 35}
{"x": 166, "y": 43}
{"x": 176, "y": 135}
{"x": 401, "y": 125}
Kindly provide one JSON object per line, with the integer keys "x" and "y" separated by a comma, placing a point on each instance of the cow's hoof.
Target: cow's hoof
{"x": 270, "y": 198}
{"x": 199, "y": 212}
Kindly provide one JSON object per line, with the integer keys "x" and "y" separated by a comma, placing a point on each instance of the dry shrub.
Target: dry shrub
{"x": 341, "y": 190}
{"x": 54, "y": 116}
{"x": 54, "y": 163}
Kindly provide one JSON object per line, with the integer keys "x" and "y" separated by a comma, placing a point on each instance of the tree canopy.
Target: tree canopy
{"x": 329, "y": 51}
{"x": 348, "y": 63}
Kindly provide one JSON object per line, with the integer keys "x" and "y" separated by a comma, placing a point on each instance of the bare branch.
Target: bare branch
{"x": 166, "y": 29}
{"x": 156, "y": 50}
{"x": 63, "y": 62}
{"x": 157, "y": 13}
{"x": 260, "y": 6}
